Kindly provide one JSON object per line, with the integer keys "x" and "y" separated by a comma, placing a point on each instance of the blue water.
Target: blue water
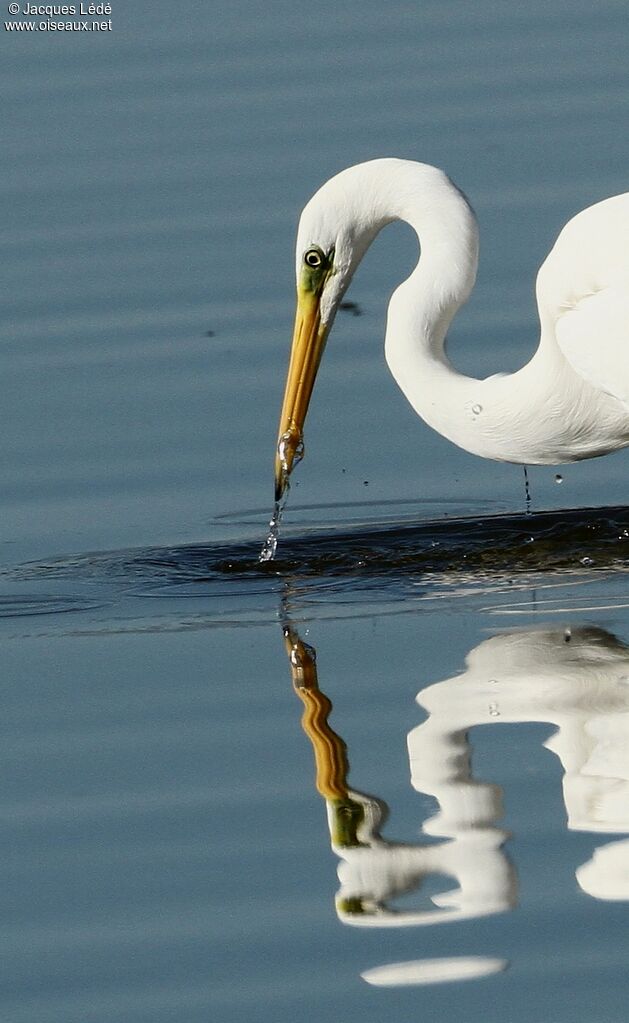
{"x": 165, "y": 853}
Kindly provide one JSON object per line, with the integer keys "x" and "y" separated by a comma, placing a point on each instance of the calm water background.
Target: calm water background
{"x": 165, "y": 855}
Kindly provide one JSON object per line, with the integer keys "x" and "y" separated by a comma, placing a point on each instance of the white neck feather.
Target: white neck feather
{"x": 423, "y": 306}
{"x": 508, "y": 417}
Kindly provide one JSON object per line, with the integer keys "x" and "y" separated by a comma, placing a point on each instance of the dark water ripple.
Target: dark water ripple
{"x": 513, "y": 543}
{"x": 553, "y": 540}
{"x": 333, "y": 572}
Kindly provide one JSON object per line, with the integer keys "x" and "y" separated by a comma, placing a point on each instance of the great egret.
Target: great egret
{"x": 571, "y": 401}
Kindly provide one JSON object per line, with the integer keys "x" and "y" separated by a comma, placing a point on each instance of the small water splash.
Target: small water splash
{"x": 290, "y": 451}
{"x": 269, "y": 546}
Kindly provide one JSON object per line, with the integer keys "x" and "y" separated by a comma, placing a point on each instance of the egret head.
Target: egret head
{"x": 336, "y": 228}
{"x": 331, "y": 241}
{"x": 310, "y": 333}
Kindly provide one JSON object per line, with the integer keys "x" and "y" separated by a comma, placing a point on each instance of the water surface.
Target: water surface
{"x": 167, "y": 855}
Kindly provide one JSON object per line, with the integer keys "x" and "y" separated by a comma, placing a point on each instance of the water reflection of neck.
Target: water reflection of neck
{"x": 375, "y": 870}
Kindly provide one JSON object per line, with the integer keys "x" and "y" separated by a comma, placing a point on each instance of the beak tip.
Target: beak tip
{"x": 290, "y": 451}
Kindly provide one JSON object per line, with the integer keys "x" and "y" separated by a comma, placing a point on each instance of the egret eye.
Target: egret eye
{"x": 313, "y": 258}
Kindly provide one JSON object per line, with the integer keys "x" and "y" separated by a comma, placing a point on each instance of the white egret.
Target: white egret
{"x": 571, "y": 401}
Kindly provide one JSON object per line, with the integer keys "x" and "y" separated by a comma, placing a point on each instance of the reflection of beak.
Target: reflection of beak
{"x": 309, "y": 339}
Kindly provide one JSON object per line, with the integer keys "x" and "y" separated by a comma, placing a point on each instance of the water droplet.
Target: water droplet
{"x": 558, "y": 478}
{"x": 477, "y": 409}
{"x": 493, "y": 710}
{"x": 269, "y": 546}
{"x": 587, "y": 561}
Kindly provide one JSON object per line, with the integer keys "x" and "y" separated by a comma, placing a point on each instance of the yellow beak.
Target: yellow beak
{"x": 309, "y": 339}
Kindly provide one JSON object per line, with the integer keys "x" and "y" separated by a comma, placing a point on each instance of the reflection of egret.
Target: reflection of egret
{"x": 575, "y": 679}
{"x": 571, "y": 401}
{"x": 374, "y": 870}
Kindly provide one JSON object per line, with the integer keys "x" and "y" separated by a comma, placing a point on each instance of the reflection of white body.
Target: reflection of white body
{"x": 578, "y": 681}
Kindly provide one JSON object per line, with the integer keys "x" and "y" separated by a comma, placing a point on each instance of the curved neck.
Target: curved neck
{"x": 477, "y": 415}
{"x": 423, "y": 306}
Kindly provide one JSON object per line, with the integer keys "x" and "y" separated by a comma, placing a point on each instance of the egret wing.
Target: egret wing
{"x": 594, "y": 337}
